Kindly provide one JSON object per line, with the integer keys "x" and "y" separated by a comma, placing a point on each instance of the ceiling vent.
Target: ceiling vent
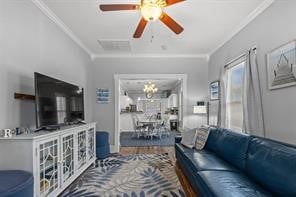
{"x": 115, "y": 45}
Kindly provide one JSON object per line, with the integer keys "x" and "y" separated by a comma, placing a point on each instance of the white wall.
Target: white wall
{"x": 105, "y": 68}
{"x": 274, "y": 27}
{"x": 30, "y": 42}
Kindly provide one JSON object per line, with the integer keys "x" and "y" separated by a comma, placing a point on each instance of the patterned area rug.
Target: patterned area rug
{"x": 140, "y": 175}
{"x": 127, "y": 140}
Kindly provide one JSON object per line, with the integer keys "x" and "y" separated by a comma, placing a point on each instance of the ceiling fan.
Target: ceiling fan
{"x": 151, "y": 10}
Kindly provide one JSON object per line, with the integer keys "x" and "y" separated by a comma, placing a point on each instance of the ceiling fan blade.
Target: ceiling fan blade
{"x": 117, "y": 7}
{"x": 140, "y": 29}
{"x": 171, "y": 2}
{"x": 170, "y": 23}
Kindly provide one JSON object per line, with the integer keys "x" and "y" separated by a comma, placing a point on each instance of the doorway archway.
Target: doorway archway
{"x": 119, "y": 77}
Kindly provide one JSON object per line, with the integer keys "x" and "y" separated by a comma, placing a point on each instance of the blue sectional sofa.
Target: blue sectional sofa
{"x": 235, "y": 165}
{"x": 16, "y": 183}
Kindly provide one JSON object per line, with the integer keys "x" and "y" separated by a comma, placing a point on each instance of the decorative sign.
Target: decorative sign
{"x": 103, "y": 95}
{"x": 7, "y": 133}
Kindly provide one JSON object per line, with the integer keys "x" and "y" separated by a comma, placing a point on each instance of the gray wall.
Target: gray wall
{"x": 30, "y": 42}
{"x": 105, "y": 68}
{"x": 274, "y": 27}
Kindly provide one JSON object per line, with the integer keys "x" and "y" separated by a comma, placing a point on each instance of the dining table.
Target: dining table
{"x": 149, "y": 122}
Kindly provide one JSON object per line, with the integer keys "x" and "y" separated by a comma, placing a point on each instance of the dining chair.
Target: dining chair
{"x": 163, "y": 129}
{"x": 154, "y": 132}
{"x": 138, "y": 129}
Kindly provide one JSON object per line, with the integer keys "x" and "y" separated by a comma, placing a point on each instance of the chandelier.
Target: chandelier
{"x": 150, "y": 89}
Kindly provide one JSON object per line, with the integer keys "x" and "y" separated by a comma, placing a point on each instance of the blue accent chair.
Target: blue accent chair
{"x": 16, "y": 183}
{"x": 102, "y": 144}
{"x": 235, "y": 164}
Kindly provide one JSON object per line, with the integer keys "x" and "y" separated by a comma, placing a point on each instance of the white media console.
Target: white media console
{"x": 55, "y": 158}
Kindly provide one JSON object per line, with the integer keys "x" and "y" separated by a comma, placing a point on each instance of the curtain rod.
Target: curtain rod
{"x": 240, "y": 56}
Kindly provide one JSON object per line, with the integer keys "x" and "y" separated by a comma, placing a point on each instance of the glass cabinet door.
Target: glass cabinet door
{"x": 81, "y": 148}
{"x": 48, "y": 153}
{"x": 67, "y": 157}
{"x": 90, "y": 142}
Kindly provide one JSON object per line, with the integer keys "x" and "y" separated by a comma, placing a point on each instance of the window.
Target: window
{"x": 234, "y": 95}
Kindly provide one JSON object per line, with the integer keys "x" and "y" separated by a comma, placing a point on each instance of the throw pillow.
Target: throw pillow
{"x": 189, "y": 138}
{"x": 202, "y": 135}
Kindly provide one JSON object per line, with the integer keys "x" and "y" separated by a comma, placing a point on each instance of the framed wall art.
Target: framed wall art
{"x": 215, "y": 90}
{"x": 281, "y": 66}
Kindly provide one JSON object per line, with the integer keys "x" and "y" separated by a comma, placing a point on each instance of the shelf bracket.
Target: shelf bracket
{"x": 24, "y": 96}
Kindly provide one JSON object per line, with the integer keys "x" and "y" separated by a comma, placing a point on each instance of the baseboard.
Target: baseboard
{"x": 113, "y": 149}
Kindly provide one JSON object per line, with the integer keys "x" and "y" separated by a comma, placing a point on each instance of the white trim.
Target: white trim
{"x": 261, "y": 8}
{"x": 236, "y": 60}
{"x": 117, "y": 113}
{"x": 113, "y": 149}
{"x": 118, "y": 77}
{"x": 52, "y": 16}
{"x": 148, "y": 55}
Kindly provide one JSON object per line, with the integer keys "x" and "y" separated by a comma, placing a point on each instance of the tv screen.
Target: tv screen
{"x": 57, "y": 102}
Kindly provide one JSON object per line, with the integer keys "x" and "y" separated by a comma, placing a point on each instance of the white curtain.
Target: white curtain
{"x": 252, "y": 105}
{"x": 223, "y": 93}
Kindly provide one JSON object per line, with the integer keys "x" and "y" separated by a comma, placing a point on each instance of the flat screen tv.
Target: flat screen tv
{"x": 57, "y": 102}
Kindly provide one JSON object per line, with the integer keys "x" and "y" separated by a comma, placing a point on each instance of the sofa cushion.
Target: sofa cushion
{"x": 230, "y": 184}
{"x": 182, "y": 148}
{"x": 202, "y": 135}
{"x": 273, "y": 165}
{"x": 213, "y": 139}
{"x": 189, "y": 138}
{"x": 231, "y": 146}
{"x": 192, "y": 158}
{"x": 206, "y": 160}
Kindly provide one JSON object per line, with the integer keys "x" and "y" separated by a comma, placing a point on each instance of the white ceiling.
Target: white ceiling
{"x": 207, "y": 23}
{"x": 136, "y": 86}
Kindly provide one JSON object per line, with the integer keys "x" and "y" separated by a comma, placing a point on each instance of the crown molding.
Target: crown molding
{"x": 261, "y": 8}
{"x": 52, "y": 16}
{"x": 150, "y": 55}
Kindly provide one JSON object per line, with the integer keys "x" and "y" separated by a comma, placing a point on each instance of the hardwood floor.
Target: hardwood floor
{"x": 159, "y": 150}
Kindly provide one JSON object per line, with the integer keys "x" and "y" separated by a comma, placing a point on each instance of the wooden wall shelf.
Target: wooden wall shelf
{"x": 24, "y": 96}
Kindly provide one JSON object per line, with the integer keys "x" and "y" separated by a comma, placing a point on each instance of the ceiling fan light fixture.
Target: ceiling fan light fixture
{"x": 151, "y": 11}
